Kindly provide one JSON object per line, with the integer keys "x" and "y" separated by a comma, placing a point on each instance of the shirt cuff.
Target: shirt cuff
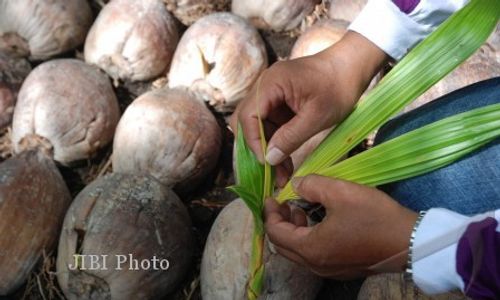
{"x": 391, "y": 30}
{"x": 435, "y": 271}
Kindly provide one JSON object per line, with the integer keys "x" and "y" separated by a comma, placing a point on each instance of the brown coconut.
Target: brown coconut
{"x": 12, "y": 73}
{"x": 168, "y": 134}
{"x": 277, "y": 15}
{"x": 395, "y": 286}
{"x": 189, "y": 11}
{"x": 43, "y": 28}
{"x": 224, "y": 267}
{"x": 132, "y": 39}
{"x": 481, "y": 66}
{"x": 70, "y": 104}
{"x": 33, "y": 201}
{"x": 346, "y": 10}
{"x": 219, "y": 57}
{"x": 123, "y": 214}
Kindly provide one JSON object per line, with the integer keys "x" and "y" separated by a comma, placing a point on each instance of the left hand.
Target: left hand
{"x": 363, "y": 226}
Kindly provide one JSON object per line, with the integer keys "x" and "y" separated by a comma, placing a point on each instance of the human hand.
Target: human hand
{"x": 298, "y": 98}
{"x": 363, "y": 226}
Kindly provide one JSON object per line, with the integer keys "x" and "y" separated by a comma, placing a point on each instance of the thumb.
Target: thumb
{"x": 291, "y": 135}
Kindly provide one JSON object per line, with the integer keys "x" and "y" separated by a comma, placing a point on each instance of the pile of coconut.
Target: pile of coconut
{"x": 115, "y": 150}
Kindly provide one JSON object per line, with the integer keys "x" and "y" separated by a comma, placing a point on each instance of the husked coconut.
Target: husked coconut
{"x": 33, "y": 201}
{"x": 219, "y": 57}
{"x": 346, "y": 10}
{"x": 224, "y": 267}
{"x": 168, "y": 134}
{"x": 277, "y": 15}
{"x": 480, "y": 66}
{"x": 132, "y": 39}
{"x": 71, "y": 105}
{"x": 12, "y": 73}
{"x": 140, "y": 226}
{"x": 318, "y": 37}
{"x": 189, "y": 11}
{"x": 43, "y": 28}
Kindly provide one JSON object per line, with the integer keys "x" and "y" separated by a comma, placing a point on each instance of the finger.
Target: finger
{"x": 294, "y": 133}
{"x": 314, "y": 189}
{"x": 298, "y": 216}
{"x": 281, "y": 232}
{"x": 290, "y": 255}
{"x": 283, "y": 172}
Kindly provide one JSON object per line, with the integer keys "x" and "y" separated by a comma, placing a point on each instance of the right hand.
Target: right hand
{"x": 301, "y": 97}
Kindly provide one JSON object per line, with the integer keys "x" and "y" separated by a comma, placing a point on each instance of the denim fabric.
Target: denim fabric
{"x": 469, "y": 186}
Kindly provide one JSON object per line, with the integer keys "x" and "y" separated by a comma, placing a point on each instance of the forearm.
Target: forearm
{"x": 452, "y": 251}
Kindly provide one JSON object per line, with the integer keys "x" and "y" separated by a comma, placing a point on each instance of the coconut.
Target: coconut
{"x": 318, "y": 37}
{"x": 33, "y": 201}
{"x": 140, "y": 225}
{"x": 346, "y": 10}
{"x": 70, "y": 104}
{"x": 224, "y": 267}
{"x": 43, "y": 28}
{"x": 277, "y": 15}
{"x": 481, "y": 66}
{"x": 189, "y": 11}
{"x": 12, "y": 73}
{"x": 219, "y": 57}
{"x": 395, "y": 286}
{"x": 132, "y": 39}
{"x": 168, "y": 134}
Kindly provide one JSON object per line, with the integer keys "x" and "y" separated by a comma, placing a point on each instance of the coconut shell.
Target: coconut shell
{"x": 123, "y": 214}
{"x": 277, "y": 15}
{"x": 224, "y": 55}
{"x": 394, "y": 286}
{"x": 481, "y": 66}
{"x": 43, "y": 28}
{"x": 70, "y": 104}
{"x": 346, "y": 10}
{"x": 33, "y": 201}
{"x": 168, "y": 134}
{"x": 12, "y": 73}
{"x": 189, "y": 11}
{"x": 224, "y": 267}
{"x": 132, "y": 39}
{"x": 318, "y": 37}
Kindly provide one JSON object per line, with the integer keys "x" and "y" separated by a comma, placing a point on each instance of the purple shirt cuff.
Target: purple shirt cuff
{"x": 478, "y": 260}
{"x": 406, "y": 6}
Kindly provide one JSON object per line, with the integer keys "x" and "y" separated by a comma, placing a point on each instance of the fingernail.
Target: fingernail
{"x": 274, "y": 156}
{"x": 296, "y": 181}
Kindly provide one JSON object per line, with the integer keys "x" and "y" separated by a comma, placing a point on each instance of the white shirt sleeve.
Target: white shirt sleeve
{"x": 435, "y": 249}
{"x": 395, "y": 32}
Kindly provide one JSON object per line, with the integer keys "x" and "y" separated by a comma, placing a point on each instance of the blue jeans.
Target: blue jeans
{"x": 470, "y": 185}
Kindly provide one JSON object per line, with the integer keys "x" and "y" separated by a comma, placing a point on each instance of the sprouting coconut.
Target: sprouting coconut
{"x": 132, "y": 39}
{"x": 219, "y": 57}
{"x": 224, "y": 267}
{"x": 168, "y": 134}
{"x": 277, "y": 15}
{"x": 189, "y": 11}
{"x": 346, "y": 10}
{"x": 139, "y": 232}
{"x": 12, "y": 73}
{"x": 69, "y": 104}
{"x": 33, "y": 202}
{"x": 43, "y": 28}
